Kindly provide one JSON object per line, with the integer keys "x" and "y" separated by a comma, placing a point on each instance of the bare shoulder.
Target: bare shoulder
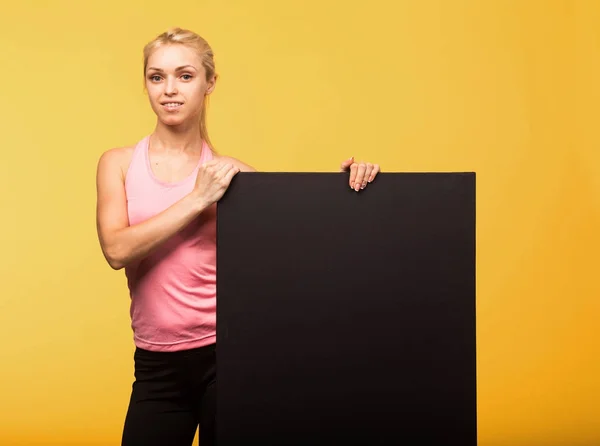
{"x": 115, "y": 160}
{"x": 241, "y": 165}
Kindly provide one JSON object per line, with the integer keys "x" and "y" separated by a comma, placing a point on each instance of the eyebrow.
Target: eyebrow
{"x": 176, "y": 69}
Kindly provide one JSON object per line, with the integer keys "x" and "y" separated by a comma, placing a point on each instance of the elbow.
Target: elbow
{"x": 114, "y": 258}
{"x": 115, "y": 264}
{"x": 115, "y": 252}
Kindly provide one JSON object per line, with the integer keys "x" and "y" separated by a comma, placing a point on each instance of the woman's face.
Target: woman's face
{"x": 176, "y": 84}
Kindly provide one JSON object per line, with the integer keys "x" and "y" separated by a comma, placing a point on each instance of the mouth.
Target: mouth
{"x": 172, "y": 105}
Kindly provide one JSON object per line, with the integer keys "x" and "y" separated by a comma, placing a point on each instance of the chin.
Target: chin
{"x": 174, "y": 121}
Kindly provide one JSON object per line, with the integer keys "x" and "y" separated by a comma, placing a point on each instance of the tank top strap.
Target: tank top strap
{"x": 139, "y": 161}
{"x": 206, "y": 155}
{"x": 139, "y": 166}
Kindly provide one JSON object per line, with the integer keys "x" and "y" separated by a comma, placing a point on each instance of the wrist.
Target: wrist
{"x": 197, "y": 201}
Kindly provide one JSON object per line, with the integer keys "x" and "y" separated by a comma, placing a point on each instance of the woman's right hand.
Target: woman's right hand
{"x": 213, "y": 179}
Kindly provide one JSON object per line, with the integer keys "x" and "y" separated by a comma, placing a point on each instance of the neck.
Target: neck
{"x": 177, "y": 138}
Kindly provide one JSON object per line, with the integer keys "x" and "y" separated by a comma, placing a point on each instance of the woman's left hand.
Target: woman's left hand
{"x": 360, "y": 173}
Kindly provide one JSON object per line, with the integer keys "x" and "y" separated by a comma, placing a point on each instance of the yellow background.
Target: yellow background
{"x": 506, "y": 88}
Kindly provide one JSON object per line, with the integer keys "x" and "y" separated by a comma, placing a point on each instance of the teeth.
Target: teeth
{"x": 173, "y": 104}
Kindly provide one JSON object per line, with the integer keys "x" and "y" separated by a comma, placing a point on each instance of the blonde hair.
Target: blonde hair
{"x": 179, "y": 36}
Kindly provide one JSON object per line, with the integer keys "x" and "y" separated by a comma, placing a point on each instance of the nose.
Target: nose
{"x": 170, "y": 86}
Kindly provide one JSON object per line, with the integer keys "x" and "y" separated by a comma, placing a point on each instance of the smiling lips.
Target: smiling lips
{"x": 171, "y": 106}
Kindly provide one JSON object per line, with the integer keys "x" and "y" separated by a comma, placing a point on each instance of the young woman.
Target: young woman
{"x": 156, "y": 209}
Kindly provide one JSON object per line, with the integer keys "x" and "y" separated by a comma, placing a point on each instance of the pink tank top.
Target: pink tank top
{"x": 173, "y": 290}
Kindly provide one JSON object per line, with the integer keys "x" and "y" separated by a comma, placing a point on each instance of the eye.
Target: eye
{"x": 155, "y": 78}
{"x": 186, "y": 77}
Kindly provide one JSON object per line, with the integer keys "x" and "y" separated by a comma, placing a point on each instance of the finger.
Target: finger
{"x": 353, "y": 171}
{"x": 374, "y": 173}
{"x": 360, "y": 174}
{"x": 211, "y": 163}
{"x": 346, "y": 163}
{"x": 367, "y": 175}
{"x": 223, "y": 168}
{"x": 230, "y": 174}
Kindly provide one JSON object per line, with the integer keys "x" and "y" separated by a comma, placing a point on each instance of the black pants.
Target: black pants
{"x": 173, "y": 393}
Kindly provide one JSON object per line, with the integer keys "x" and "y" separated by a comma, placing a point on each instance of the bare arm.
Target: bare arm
{"x": 121, "y": 243}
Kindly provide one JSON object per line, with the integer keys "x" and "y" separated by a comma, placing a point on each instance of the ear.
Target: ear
{"x": 211, "y": 85}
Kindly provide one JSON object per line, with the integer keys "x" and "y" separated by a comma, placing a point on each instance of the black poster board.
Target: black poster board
{"x": 346, "y": 318}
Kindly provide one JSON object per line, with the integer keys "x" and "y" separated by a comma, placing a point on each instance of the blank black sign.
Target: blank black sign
{"x": 346, "y": 318}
